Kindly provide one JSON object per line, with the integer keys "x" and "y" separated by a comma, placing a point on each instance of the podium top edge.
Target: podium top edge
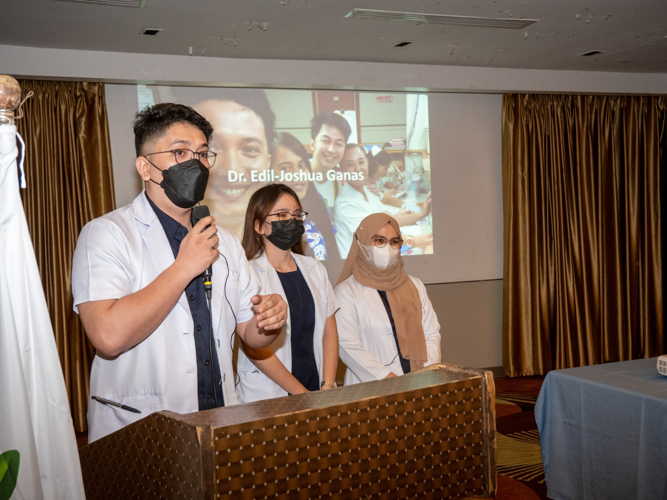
{"x": 434, "y": 375}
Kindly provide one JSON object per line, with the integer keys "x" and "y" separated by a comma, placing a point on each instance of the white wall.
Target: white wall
{"x": 122, "y": 105}
{"x": 471, "y": 319}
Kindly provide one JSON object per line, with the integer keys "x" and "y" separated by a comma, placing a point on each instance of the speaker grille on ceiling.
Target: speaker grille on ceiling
{"x": 414, "y": 17}
{"x": 118, "y": 3}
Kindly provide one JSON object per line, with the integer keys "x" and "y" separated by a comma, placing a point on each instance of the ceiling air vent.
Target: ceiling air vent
{"x": 151, "y": 31}
{"x": 118, "y": 3}
{"x": 402, "y": 44}
{"x": 592, "y": 53}
{"x": 413, "y": 17}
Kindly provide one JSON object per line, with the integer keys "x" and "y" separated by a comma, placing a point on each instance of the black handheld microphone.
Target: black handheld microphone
{"x": 197, "y": 214}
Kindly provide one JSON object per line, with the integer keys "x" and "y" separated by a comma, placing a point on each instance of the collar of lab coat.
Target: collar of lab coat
{"x": 155, "y": 238}
{"x": 262, "y": 264}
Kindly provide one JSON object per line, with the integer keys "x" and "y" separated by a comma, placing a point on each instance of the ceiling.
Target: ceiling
{"x": 631, "y": 33}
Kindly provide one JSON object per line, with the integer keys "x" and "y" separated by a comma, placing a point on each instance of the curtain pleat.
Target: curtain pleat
{"x": 581, "y": 199}
{"x": 69, "y": 182}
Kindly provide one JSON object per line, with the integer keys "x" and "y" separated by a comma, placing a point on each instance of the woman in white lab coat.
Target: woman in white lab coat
{"x": 386, "y": 323}
{"x": 304, "y": 357}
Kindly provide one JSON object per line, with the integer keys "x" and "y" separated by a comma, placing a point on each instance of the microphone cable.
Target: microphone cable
{"x": 237, "y": 378}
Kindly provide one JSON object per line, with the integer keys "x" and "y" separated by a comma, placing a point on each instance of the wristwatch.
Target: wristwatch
{"x": 409, "y": 241}
{"x": 330, "y": 383}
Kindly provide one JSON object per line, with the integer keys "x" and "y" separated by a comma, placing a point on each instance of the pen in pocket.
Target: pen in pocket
{"x": 113, "y": 403}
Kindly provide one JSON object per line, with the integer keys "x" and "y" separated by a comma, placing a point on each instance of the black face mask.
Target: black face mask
{"x": 285, "y": 236}
{"x": 183, "y": 184}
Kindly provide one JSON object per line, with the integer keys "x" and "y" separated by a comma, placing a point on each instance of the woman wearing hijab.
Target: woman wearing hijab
{"x": 304, "y": 356}
{"x": 386, "y": 323}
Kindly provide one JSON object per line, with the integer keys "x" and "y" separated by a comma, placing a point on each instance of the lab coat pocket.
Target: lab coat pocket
{"x": 113, "y": 417}
{"x": 145, "y": 403}
{"x": 231, "y": 283}
{"x": 255, "y": 386}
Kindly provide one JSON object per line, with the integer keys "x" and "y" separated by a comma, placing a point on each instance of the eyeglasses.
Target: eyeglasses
{"x": 285, "y": 217}
{"x": 186, "y": 156}
{"x": 381, "y": 242}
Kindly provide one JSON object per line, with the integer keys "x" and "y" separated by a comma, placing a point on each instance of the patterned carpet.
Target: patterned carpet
{"x": 519, "y": 459}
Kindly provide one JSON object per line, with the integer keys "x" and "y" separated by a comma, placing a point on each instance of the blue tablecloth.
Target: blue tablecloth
{"x": 603, "y": 431}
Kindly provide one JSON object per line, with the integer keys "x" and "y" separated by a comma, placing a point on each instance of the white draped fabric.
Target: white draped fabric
{"x": 35, "y": 417}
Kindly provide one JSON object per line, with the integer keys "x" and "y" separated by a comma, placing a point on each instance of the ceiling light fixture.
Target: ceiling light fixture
{"x": 117, "y": 3}
{"x": 414, "y": 17}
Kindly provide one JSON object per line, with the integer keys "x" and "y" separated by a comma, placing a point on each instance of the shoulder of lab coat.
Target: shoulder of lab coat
{"x": 106, "y": 247}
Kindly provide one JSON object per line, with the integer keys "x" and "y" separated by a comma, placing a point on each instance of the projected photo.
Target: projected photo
{"x": 345, "y": 154}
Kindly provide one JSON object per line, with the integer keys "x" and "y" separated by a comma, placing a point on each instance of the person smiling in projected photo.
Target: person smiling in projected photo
{"x": 243, "y": 132}
{"x": 355, "y": 201}
{"x": 329, "y": 133}
{"x": 289, "y": 160}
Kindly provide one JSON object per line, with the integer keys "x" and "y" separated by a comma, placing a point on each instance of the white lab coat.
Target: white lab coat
{"x": 121, "y": 253}
{"x": 253, "y": 384}
{"x": 350, "y": 209}
{"x": 367, "y": 345}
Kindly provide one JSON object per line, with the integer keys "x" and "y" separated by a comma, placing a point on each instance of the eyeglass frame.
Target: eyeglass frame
{"x": 285, "y": 222}
{"x": 187, "y": 163}
{"x": 386, "y": 240}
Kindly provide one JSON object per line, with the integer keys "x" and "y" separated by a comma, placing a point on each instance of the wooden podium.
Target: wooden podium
{"x": 429, "y": 434}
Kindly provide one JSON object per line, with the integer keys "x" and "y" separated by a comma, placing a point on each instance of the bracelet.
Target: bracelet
{"x": 330, "y": 383}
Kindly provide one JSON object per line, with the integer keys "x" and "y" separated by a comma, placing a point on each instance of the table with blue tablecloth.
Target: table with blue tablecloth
{"x": 603, "y": 431}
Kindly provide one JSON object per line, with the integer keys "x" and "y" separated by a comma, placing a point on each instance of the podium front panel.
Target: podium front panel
{"x": 429, "y": 434}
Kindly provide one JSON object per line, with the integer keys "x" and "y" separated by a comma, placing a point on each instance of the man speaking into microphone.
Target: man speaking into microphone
{"x": 138, "y": 288}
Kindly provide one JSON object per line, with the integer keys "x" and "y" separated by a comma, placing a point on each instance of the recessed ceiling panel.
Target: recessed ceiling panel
{"x": 119, "y": 3}
{"x": 414, "y": 17}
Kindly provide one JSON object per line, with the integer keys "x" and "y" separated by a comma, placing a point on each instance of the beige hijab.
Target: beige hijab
{"x": 403, "y": 296}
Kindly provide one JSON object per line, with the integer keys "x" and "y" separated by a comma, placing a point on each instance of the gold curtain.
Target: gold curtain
{"x": 582, "y": 228}
{"x": 69, "y": 182}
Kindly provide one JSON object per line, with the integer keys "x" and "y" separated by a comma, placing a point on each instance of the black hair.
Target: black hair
{"x": 253, "y": 99}
{"x": 382, "y": 158}
{"x": 293, "y": 144}
{"x": 331, "y": 119}
{"x": 152, "y": 122}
